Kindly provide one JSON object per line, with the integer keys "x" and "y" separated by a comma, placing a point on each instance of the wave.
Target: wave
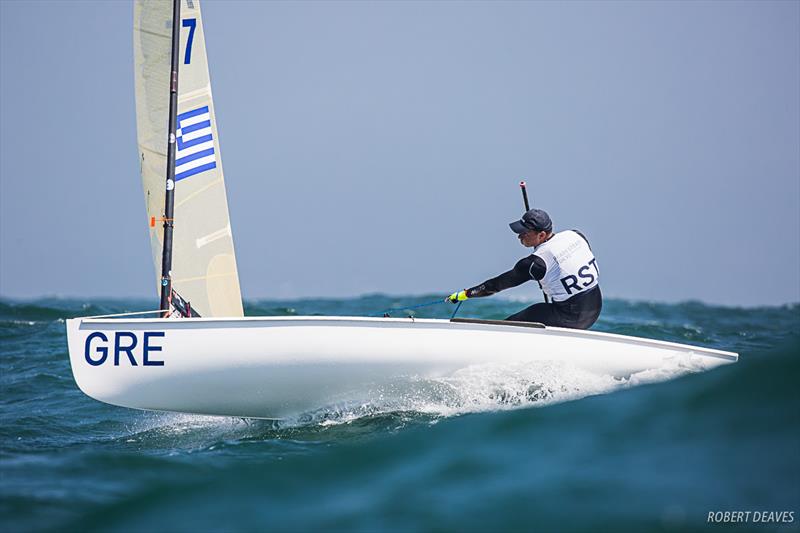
{"x": 469, "y": 451}
{"x": 55, "y": 307}
{"x": 49, "y": 309}
{"x": 652, "y": 457}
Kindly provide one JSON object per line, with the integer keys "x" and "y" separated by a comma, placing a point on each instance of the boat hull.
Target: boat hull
{"x": 278, "y": 367}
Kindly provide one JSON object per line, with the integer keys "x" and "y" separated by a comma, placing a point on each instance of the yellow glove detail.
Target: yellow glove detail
{"x": 457, "y": 297}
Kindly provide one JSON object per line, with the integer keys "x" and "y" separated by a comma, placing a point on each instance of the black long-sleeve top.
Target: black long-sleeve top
{"x": 527, "y": 268}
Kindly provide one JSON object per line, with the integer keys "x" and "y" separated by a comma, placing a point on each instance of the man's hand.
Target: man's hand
{"x": 457, "y": 297}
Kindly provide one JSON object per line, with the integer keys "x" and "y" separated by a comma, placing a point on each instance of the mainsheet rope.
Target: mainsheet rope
{"x": 385, "y": 312}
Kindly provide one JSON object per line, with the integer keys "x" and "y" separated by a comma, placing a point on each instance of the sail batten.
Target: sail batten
{"x": 204, "y": 268}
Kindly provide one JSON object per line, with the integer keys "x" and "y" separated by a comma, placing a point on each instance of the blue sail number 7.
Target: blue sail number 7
{"x": 191, "y": 24}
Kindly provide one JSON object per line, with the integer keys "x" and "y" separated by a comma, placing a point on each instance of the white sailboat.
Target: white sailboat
{"x": 219, "y": 362}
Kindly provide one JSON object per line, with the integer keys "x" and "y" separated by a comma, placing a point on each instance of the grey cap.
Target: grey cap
{"x": 533, "y": 220}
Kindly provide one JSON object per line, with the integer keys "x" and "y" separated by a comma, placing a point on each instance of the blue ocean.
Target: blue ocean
{"x": 656, "y": 454}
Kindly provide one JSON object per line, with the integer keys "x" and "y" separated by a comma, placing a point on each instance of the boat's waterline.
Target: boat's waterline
{"x": 277, "y": 367}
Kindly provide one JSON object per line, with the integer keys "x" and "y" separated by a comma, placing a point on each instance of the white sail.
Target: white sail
{"x": 276, "y": 367}
{"x": 203, "y": 262}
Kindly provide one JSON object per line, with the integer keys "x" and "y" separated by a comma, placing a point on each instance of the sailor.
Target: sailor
{"x": 564, "y": 266}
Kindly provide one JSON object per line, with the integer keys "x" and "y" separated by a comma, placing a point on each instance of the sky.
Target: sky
{"x": 378, "y": 146}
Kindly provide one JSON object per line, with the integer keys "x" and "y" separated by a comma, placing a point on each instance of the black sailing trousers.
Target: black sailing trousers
{"x": 579, "y": 312}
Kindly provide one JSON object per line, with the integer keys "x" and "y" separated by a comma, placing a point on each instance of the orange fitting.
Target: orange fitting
{"x": 159, "y": 219}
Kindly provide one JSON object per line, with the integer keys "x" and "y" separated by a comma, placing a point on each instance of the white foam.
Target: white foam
{"x": 673, "y": 367}
{"x": 493, "y": 387}
{"x": 474, "y": 389}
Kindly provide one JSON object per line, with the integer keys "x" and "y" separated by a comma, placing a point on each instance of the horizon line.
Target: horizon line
{"x": 33, "y": 299}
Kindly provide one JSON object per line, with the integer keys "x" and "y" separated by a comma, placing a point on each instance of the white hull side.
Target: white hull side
{"x": 276, "y": 367}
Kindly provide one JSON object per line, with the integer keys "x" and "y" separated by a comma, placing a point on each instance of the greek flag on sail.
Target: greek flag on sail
{"x": 195, "y": 151}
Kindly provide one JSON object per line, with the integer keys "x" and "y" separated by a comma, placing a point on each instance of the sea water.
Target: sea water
{"x": 487, "y": 448}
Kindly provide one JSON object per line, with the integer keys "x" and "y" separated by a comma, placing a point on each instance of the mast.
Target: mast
{"x": 169, "y": 203}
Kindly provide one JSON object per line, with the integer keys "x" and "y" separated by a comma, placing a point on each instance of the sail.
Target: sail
{"x": 204, "y": 269}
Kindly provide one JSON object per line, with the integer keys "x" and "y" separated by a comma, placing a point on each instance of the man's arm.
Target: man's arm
{"x": 531, "y": 267}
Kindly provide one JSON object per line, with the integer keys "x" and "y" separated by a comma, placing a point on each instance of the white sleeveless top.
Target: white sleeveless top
{"x": 571, "y": 266}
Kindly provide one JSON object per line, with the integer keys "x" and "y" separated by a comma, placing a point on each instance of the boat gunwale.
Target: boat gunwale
{"x": 408, "y": 321}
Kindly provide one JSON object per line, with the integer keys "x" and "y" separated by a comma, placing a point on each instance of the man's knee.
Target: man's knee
{"x": 535, "y": 313}
{"x": 515, "y": 317}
